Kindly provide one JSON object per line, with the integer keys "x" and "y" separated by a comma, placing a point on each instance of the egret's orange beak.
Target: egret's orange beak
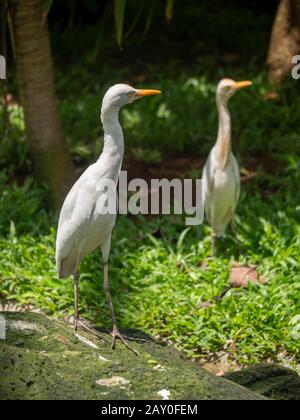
{"x": 146, "y": 92}
{"x": 243, "y": 84}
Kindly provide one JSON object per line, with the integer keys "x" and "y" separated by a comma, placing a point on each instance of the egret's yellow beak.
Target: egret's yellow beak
{"x": 146, "y": 92}
{"x": 243, "y": 84}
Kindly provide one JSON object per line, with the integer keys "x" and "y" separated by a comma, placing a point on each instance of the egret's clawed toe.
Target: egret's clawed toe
{"x": 85, "y": 325}
{"x": 116, "y": 334}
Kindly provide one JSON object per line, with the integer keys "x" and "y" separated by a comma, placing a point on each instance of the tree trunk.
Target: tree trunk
{"x": 48, "y": 148}
{"x": 285, "y": 40}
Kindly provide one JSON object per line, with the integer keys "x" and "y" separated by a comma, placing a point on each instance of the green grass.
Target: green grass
{"x": 156, "y": 278}
{"x": 192, "y": 57}
{"x": 157, "y": 281}
{"x": 185, "y": 59}
{"x": 181, "y": 120}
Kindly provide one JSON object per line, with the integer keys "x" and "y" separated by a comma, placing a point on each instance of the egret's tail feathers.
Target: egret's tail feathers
{"x": 219, "y": 232}
{"x": 66, "y": 267}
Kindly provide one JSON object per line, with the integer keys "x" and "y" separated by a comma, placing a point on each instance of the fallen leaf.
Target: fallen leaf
{"x": 242, "y": 275}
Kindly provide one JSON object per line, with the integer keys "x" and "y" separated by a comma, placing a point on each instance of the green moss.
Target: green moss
{"x": 43, "y": 359}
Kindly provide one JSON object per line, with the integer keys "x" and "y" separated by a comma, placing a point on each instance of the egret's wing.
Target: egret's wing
{"x": 75, "y": 215}
{"x": 237, "y": 179}
{"x": 208, "y": 184}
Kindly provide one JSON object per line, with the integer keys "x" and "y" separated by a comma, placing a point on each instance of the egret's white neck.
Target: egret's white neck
{"x": 111, "y": 158}
{"x": 113, "y": 134}
{"x": 223, "y": 144}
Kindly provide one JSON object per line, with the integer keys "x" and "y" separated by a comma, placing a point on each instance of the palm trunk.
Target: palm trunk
{"x": 47, "y": 145}
{"x": 285, "y": 40}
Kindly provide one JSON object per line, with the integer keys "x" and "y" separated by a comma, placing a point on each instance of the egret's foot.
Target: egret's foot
{"x": 72, "y": 320}
{"x": 86, "y": 325}
{"x": 116, "y": 334}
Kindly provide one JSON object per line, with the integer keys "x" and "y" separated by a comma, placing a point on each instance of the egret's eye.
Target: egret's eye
{"x": 226, "y": 88}
{"x": 130, "y": 94}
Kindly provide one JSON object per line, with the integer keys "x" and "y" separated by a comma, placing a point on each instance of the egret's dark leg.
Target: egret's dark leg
{"x": 115, "y": 333}
{"x": 107, "y": 295}
{"x": 81, "y": 322}
{"x": 234, "y": 233}
{"x": 233, "y": 229}
{"x": 76, "y": 285}
{"x": 214, "y": 244}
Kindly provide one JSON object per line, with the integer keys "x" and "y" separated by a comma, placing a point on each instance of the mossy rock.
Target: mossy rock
{"x": 271, "y": 380}
{"x": 42, "y": 358}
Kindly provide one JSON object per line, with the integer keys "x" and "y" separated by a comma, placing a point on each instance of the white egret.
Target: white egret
{"x": 83, "y": 226}
{"x": 221, "y": 175}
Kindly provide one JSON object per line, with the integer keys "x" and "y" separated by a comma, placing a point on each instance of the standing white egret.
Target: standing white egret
{"x": 83, "y": 226}
{"x": 221, "y": 175}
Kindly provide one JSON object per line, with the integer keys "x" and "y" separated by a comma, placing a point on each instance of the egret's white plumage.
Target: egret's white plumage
{"x": 221, "y": 175}
{"x": 83, "y": 226}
